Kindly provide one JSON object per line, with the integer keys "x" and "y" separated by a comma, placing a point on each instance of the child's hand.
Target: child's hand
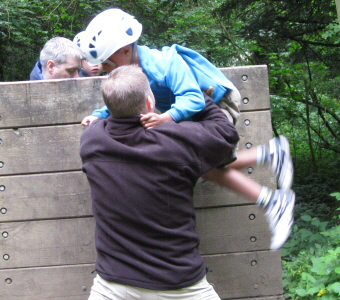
{"x": 88, "y": 120}
{"x": 151, "y": 120}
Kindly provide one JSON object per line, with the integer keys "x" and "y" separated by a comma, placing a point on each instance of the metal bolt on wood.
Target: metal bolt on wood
{"x": 253, "y": 239}
{"x": 253, "y": 263}
{"x": 6, "y": 257}
{"x": 245, "y": 100}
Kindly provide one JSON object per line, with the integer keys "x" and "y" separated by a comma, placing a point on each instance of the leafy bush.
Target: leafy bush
{"x": 311, "y": 258}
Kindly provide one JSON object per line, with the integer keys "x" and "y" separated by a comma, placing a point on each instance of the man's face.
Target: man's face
{"x": 122, "y": 57}
{"x": 68, "y": 69}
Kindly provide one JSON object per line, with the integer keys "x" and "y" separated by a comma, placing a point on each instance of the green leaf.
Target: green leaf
{"x": 335, "y": 287}
{"x": 306, "y": 218}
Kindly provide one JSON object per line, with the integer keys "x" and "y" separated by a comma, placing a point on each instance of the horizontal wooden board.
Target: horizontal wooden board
{"x": 40, "y": 149}
{"x": 46, "y": 102}
{"x": 47, "y": 243}
{"x": 67, "y": 195}
{"x": 242, "y": 275}
{"x": 71, "y": 241}
{"x": 56, "y": 148}
{"x": 232, "y": 229}
{"x": 255, "y": 274}
{"x": 65, "y": 101}
{"x": 52, "y": 283}
{"x": 252, "y": 82}
{"x": 44, "y": 196}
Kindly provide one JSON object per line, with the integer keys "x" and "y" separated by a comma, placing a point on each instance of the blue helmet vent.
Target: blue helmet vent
{"x": 93, "y": 53}
{"x": 129, "y": 31}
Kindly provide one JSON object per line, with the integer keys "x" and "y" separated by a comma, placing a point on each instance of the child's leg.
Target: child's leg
{"x": 245, "y": 158}
{"x": 236, "y": 181}
{"x": 275, "y": 156}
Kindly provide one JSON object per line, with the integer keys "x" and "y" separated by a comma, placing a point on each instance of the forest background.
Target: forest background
{"x": 299, "y": 41}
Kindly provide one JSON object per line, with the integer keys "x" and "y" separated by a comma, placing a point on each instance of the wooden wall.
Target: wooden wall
{"x": 46, "y": 226}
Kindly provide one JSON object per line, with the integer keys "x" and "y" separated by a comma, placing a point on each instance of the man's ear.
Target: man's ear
{"x": 50, "y": 66}
{"x": 126, "y": 50}
{"x": 150, "y": 104}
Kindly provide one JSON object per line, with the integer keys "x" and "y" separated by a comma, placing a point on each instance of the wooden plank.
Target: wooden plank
{"x": 52, "y": 283}
{"x": 40, "y": 149}
{"x": 252, "y": 82}
{"x": 228, "y": 273}
{"x": 232, "y": 229}
{"x": 47, "y": 243}
{"x": 254, "y": 128}
{"x": 44, "y": 196}
{"x": 44, "y": 102}
{"x": 252, "y": 274}
{"x": 71, "y": 241}
{"x": 64, "y": 101}
{"x": 56, "y": 148}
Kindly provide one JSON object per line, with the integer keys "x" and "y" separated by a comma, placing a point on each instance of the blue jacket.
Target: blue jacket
{"x": 36, "y": 73}
{"x": 177, "y": 76}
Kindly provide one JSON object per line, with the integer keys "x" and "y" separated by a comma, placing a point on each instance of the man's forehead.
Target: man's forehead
{"x": 72, "y": 61}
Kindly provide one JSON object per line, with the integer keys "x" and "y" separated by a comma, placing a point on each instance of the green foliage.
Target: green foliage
{"x": 311, "y": 258}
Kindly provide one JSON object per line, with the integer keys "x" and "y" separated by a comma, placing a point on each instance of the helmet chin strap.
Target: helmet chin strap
{"x": 134, "y": 54}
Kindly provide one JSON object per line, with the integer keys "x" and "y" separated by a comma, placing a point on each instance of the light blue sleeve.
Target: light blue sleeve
{"x": 180, "y": 79}
{"x": 102, "y": 113}
{"x": 167, "y": 68}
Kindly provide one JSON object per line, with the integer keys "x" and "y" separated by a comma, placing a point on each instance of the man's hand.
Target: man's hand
{"x": 88, "y": 120}
{"x": 151, "y": 120}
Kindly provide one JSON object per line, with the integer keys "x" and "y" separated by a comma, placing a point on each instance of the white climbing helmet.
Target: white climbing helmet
{"x": 79, "y": 37}
{"x": 109, "y": 31}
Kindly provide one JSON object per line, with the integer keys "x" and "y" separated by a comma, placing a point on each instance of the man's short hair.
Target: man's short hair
{"x": 125, "y": 91}
{"x": 57, "y": 49}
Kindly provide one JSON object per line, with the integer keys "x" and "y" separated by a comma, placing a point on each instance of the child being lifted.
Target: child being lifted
{"x": 180, "y": 78}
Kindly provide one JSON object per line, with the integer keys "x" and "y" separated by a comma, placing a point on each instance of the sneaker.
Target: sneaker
{"x": 281, "y": 162}
{"x": 279, "y": 214}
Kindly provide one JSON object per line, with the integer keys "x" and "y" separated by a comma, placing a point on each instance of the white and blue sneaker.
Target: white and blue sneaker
{"x": 280, "y": 215}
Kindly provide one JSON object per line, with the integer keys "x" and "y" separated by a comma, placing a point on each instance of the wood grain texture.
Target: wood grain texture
{"x": 46, "y": 226}
{"x": 56, "y": 148}
{"x": 64, "y": 101}
{"x": 232, "y": 229}
{"x": 40, "y": 149}
{"x": 54, "y": 283}
{"x": 252, "y": 82}
{"x": 45, "y": 196}
{"x": 253, "y": 274}
{"x": 47, "y": 243}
